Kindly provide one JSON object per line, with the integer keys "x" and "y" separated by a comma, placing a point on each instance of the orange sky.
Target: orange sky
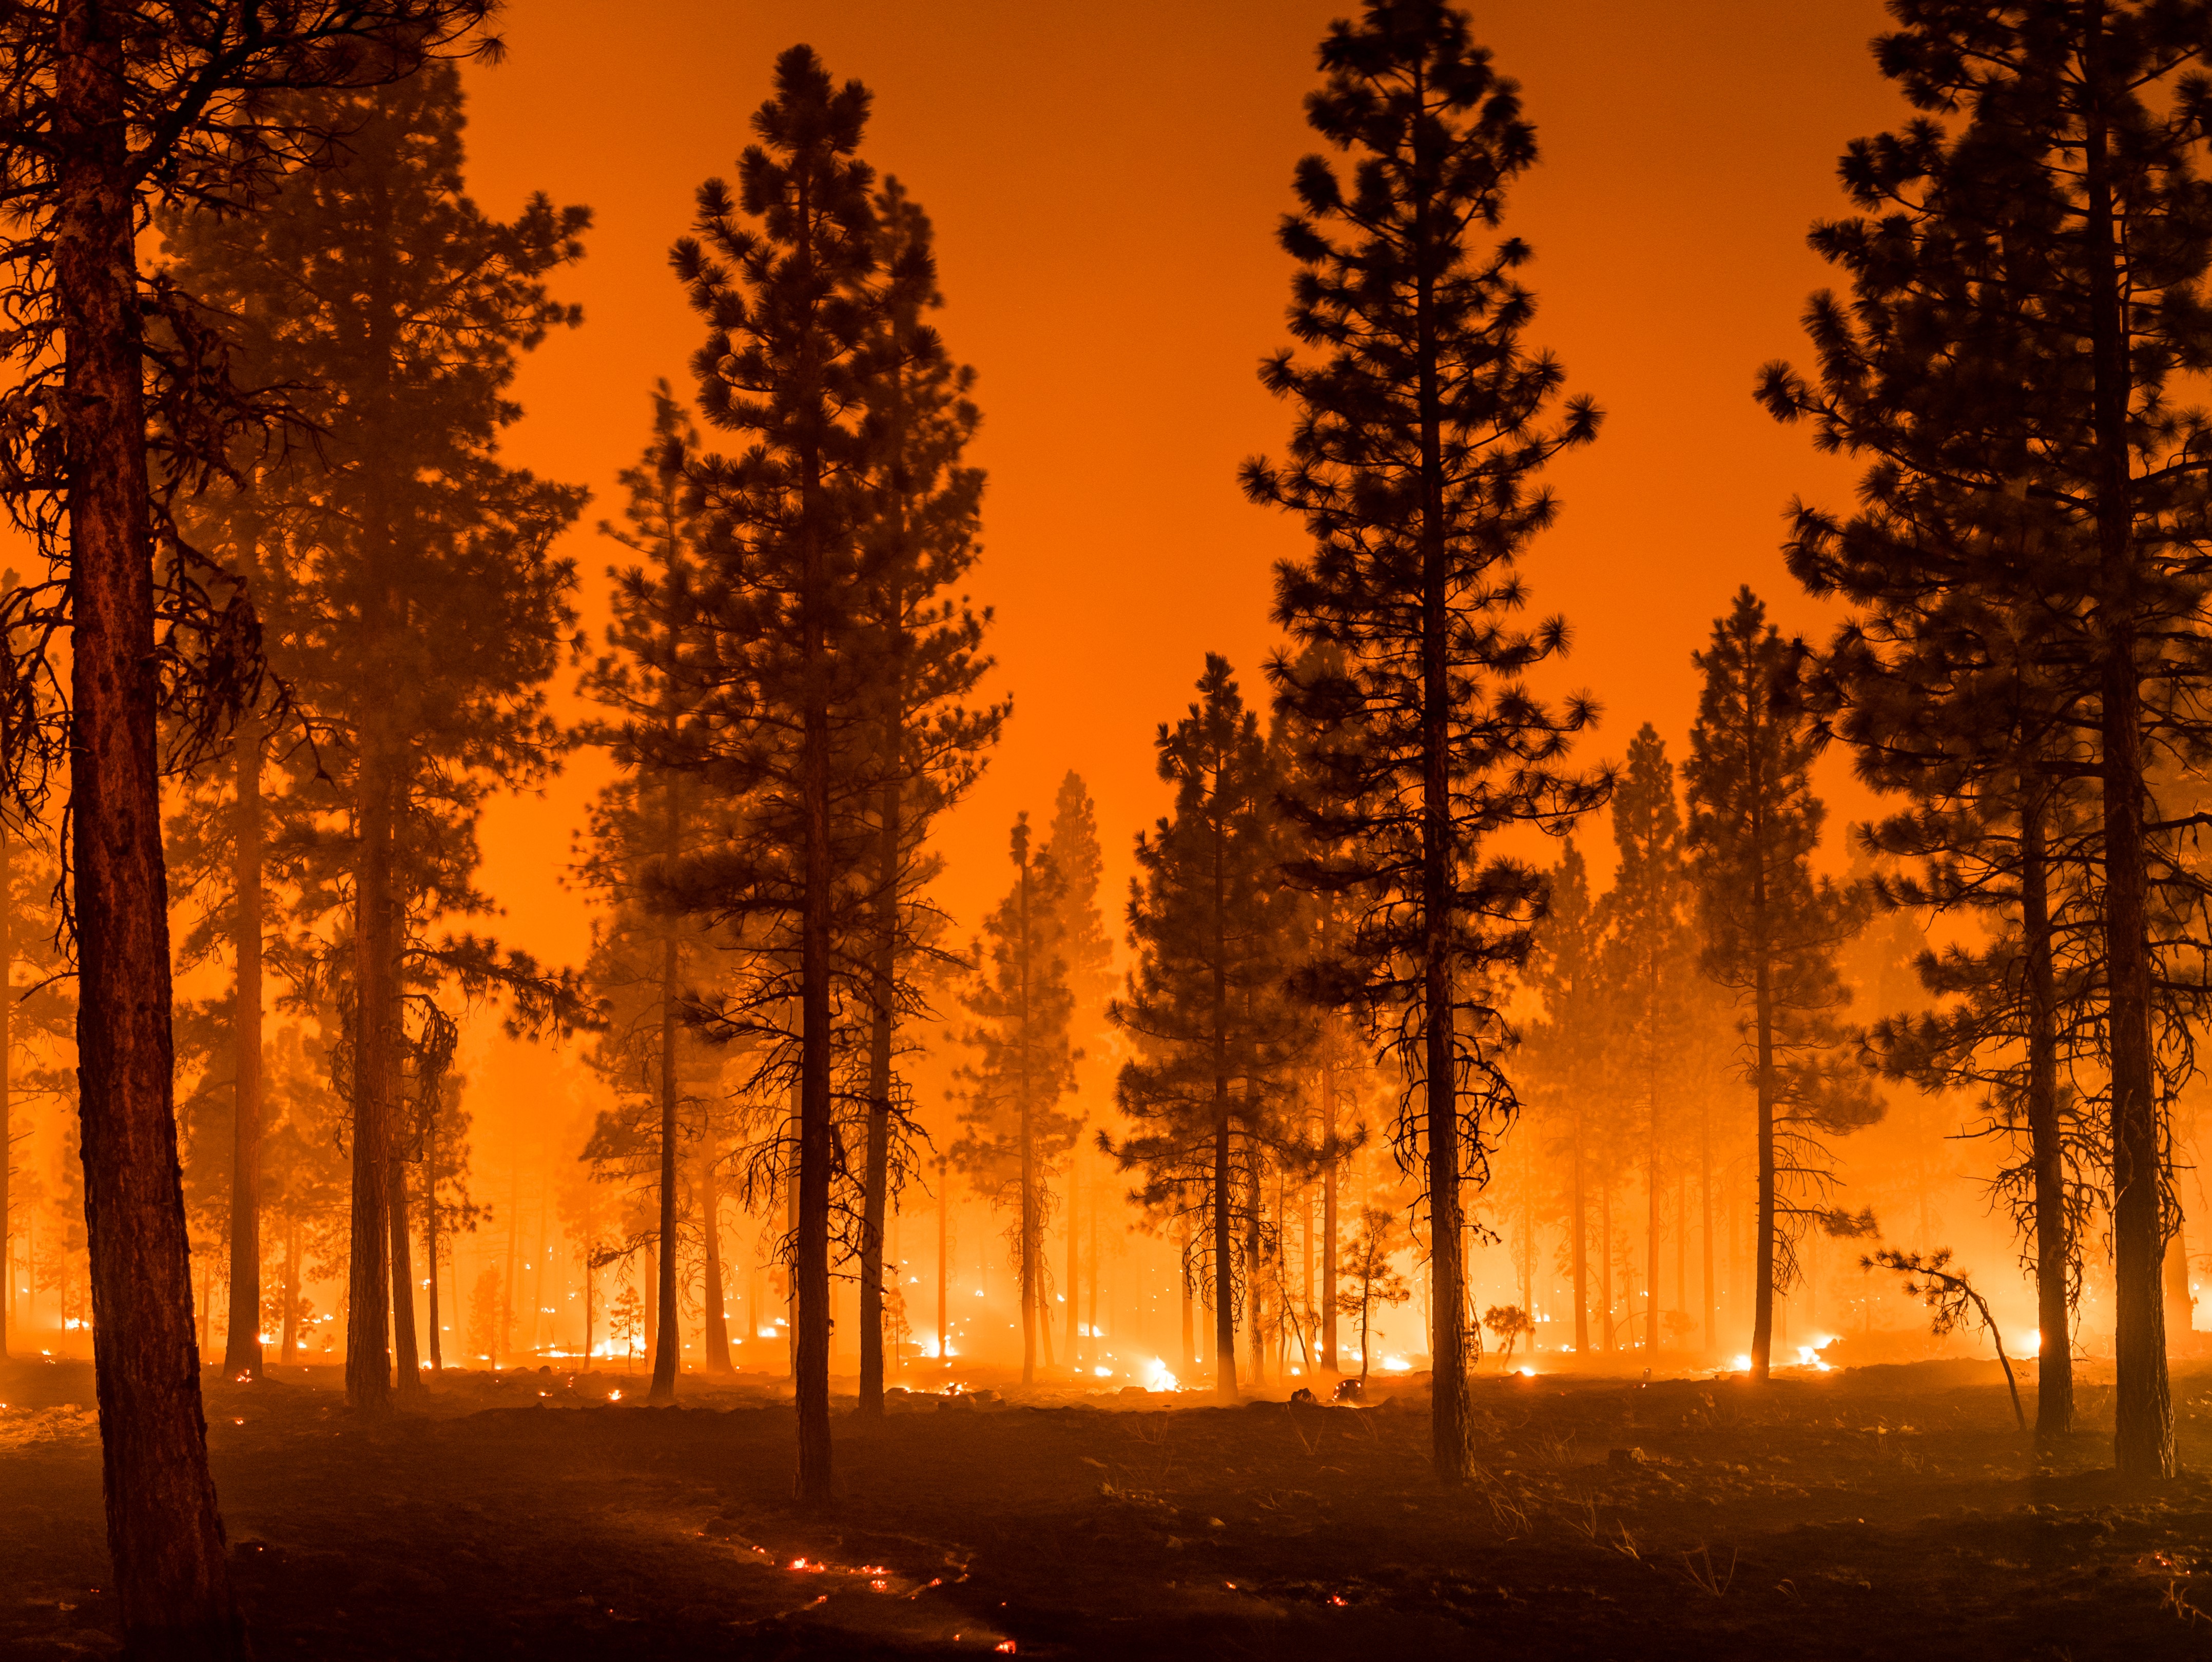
{"x": 1105, "y": 182}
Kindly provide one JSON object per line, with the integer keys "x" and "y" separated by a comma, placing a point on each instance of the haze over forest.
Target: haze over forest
{"x": 1378, "y": 788}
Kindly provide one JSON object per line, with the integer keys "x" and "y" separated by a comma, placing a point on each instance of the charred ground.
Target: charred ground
{"x": 1875, "y": 1511}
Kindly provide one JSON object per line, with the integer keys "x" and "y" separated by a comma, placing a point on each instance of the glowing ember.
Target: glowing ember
{"x": 1743, "y": 1364}
{"x": 1103, "y": 1373}
{"x": 614, "y": 1396}
{"x": 1156, "y": 1377}
{"x": 1526, "y": 1372}
{"x": 1005, "y": 1644}
{"x": 1396, "y": 1365}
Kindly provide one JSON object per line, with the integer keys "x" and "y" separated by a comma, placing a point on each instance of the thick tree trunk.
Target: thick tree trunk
{"x": 2142, "y": 1428}
{"x": 172, "y": 1582}
{"x": 2142, "y": 1433}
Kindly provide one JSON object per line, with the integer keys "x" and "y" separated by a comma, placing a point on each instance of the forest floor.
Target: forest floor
{"x": 1872, "y": 1511}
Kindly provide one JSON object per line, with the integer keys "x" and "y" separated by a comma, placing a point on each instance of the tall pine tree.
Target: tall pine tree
{"x": 1772, "y": 930}
{"x": 1423, "y": 423}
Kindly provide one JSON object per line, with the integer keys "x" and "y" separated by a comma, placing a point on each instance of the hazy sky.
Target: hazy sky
{"x": 1105, "y": 181}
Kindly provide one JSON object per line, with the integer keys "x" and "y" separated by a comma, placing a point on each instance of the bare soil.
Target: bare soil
{"x": 1873, "y": 1512}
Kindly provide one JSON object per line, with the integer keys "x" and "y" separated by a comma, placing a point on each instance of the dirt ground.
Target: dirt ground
{"x": 1873, "y": 1512}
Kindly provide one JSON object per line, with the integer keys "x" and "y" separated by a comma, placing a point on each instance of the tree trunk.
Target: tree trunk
{"x": 408, "y": 1361}
{"x": 368, "y": 1344}
{"x": 2054, "y": 1361}
{"x": 242, "y": 1350}
{"x": 7, "y": 1081}
{"x": 2142, "y": 1422}
{"x": 1329, "y": 1182}
{"x": 1578, "y": 1250}
{"x": 430, "y": 1238}
{"x": 875, "y": 1175}
{"x": 1075, "y": 1282}
{"x": 1706, "y": 1206}
{"x": 163, "y": 1531}
{"x": 944, "y": 1265}
{"x": 1652, "y": 1230}
{"x": 718, "y": 1360}
{"x": 1605, "y": 1262}
{"x": 290, "y": 1339}
{"x": 668, "y": 1336}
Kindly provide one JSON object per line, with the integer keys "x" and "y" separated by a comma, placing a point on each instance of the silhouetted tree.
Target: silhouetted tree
{"x": 1423, "y": 423}
{"x": 1205, "y": 1009}
{"x": 109, "y": 110}
{"x": 919, "y": 503}
{"x": 1772, "y": 930}
{"x": 780, "y": 274}
{"x": 1023, "y": 1066}
{"x": 1648, "y": 954}
{"x": 2027, "y": 293}
{"x": 1563, "y": 1053}
{"x": 434, "y": 610}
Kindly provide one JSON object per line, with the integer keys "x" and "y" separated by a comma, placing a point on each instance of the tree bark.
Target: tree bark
{"x": 2054, "y": 1361}
{"x": 163, "y": 1530}
{"x": 882, "y": 1020}
{"x": 2142, "y": 1420}
{"x": 718, "y": 1360}
{"x": 407, "y": 1360}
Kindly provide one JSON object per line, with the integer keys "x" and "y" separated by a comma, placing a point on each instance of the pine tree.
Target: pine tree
{"x": 646, "y": 958}
{"x": 1562, "y": 1052}
{"x": 2055, "y": 234}
{"x": 1071, "y": 845}
{"x": 115, "y": 111}
{"x": 1024, "y": 1066}
{"x": 432, "y": 611}
{"x": 1205, "y": 1010}
{"x": 919, "y": 513}
{"x": 1423, "y": 425}
{"x": 1648, "y": 954}
{"x": 785, "y": 650}
{"x": 1772, "y": 930}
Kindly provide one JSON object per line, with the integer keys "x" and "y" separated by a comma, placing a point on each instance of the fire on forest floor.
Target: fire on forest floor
{"x": 1888, "y": 1511}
